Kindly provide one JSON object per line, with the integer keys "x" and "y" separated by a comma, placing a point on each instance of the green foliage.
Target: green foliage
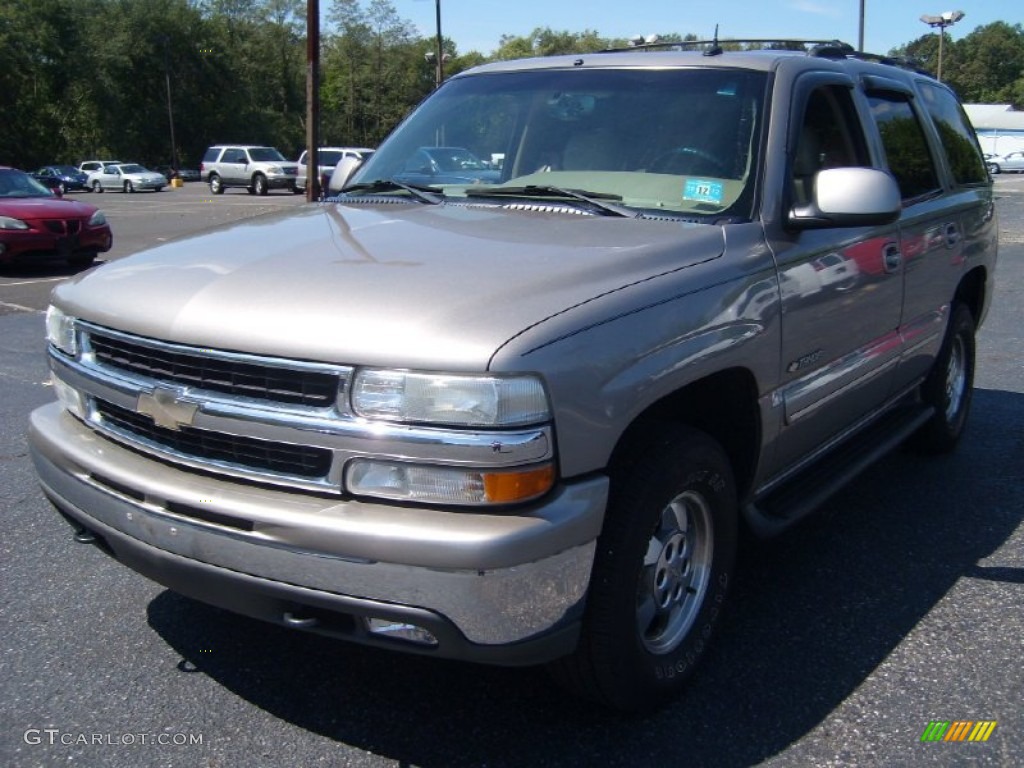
{"x": 89, "y": 78}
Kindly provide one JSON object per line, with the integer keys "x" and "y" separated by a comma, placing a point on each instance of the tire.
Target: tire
{"x": 949, "y": 386}
{"x": 63, "y": 189}
{"x": 82, "y": 260}
{"x": 216, "y": 185}
{"x": 993, "y": 168}
{"x": 259, "y": 184}
{"x": 129, "y": 187}
{"x": 662, "y": 569}
{"x": 97, "y": 187}
{"x": 158, "y": 189}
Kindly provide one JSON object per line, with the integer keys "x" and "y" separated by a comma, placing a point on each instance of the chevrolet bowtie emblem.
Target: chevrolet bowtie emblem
{"x": 167, "y": 408}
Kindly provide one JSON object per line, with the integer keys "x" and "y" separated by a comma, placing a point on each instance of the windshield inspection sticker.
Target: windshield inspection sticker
{"x": 703, "y": 191}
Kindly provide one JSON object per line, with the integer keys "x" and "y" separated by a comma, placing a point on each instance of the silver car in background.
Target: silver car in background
{"x": 1011, "y": 162}
{"x": 126, "y": 177}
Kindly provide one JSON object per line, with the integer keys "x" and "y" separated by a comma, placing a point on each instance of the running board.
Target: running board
{"x": 800, "y": 495}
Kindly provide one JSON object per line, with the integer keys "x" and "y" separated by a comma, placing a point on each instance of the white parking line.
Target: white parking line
{"x": 19, "y": 307}
{"x": 33, "y": 282}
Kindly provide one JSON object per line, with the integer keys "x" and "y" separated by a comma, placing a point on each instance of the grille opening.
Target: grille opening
{"x": 121, "y": 488}
{"x": 208, "y": 515}
{"x": 243, "y": 379}
{"x": 250, "y": 453}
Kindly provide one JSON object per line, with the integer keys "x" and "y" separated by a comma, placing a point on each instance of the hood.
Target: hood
{"x": 45, "y": 208}
{"x": 401, "y": 284}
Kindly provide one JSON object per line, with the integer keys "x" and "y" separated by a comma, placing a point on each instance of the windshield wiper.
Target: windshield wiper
{"x": 595, "y": 199}
{"x": 432, "y": 195}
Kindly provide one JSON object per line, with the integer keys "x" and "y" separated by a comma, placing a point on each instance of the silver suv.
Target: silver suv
{"x": 257, "y": 169}
{"x": 328, "y": 159}
{"x": 523, "y": 418}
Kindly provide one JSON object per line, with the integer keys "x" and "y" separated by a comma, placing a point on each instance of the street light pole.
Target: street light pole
{"x": 170, "y": 112}
{"x": 943, "y": 20}
{"x": 860, "y": 29}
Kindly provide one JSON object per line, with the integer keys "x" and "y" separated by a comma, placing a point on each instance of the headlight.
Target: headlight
{"x": 274, "y": 169}
{"x": 6, "y": 222}
{"x": 60, "y": 331}
{"x": 449, "y": 399}
{"x": 97, "y": 219}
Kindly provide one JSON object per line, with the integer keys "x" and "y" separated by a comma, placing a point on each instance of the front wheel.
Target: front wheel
{"x": 259, "y": 184}
{"x": 661, "y": 573}
{"x": 97, "y": 187}
{"x": 949, "y": 386}
{"x": 129, "y": 187}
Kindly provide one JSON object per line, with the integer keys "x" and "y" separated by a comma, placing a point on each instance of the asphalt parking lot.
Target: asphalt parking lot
{"x": 900, "y": 604}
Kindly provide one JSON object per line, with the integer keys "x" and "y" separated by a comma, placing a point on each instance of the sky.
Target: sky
{"x": 479, "y": 24}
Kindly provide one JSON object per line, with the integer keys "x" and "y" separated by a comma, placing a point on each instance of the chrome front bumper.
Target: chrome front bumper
{"x": 504, "y": 588}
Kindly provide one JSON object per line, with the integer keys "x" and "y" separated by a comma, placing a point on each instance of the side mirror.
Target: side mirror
{"x": 849, "y": 197}
{"x": 343, "y": 171}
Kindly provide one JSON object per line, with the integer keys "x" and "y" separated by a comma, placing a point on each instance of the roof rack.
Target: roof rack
{"x": 714, "y": 46}
{"x": 826, "y": 49}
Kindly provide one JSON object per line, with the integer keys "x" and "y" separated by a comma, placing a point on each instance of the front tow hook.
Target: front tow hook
{"x": 85, "y": 536}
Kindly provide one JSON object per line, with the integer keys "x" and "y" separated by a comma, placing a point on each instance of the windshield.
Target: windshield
{"x": 17, "y": 184}
{"x": 674, "y": 140}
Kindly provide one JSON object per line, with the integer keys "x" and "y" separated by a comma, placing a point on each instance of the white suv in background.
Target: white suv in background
{"x": 329, "y": 158}
{"x": 257, "y": 169}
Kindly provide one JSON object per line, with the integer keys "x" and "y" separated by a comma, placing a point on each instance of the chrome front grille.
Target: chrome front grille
{"x": 192, "y": 367}
{"x": 211, "y": 447}
{"x": 256, "y": 418}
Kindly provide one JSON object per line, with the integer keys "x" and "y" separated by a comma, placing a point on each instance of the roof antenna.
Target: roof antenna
{"x": 715, "y": 49}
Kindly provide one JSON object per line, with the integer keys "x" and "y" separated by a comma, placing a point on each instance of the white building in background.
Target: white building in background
{"x": 1000, "y": 129}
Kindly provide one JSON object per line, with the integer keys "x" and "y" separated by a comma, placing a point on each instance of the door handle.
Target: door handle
{"x": 892, "y": 258}
{"x": 952, "y": 235}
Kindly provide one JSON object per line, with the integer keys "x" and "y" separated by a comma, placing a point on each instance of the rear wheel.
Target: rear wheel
{"x": 663, "y": 565}
{"x": 949, "y": 386}
{"x": 216, "y": 185}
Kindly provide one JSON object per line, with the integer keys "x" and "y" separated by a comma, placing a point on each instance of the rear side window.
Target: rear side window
{"x": 211, "y": 155}
{"x": 958, "y": 138}
{"x": 906, "y": 148}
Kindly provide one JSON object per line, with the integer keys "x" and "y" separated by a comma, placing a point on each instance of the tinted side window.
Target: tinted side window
{"x": 958, "y": 138}
{"x": 906, "y": 148}
{"x": 211, "y": 155}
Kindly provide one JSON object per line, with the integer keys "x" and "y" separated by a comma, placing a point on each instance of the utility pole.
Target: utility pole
{"x": 312, "y": 100}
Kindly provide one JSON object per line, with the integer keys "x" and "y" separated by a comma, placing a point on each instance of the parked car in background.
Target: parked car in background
{"x": 66, "y": 178}
{"x": 257, "y": 169}
{"x": 185, "y": 174}
{"x": 37, "y": 225}
{"x": 90, "y": 166}
{"x": 327, "y": 161}
{"x": 1012, "y": 162}
{"x": 127, "y": 177}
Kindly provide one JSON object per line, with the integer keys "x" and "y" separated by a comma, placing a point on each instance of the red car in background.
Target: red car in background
{"x": 37, "y": 225}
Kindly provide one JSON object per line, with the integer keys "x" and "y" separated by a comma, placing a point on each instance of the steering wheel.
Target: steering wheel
{"x": 683, "y": 160}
